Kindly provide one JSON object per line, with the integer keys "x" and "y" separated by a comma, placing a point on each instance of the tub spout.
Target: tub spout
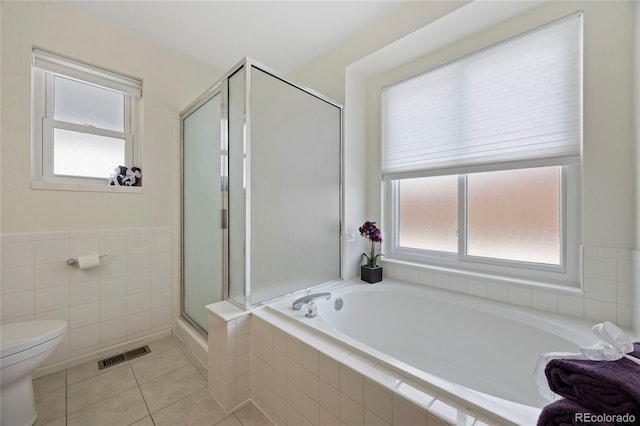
{"x": 308, "y": 298}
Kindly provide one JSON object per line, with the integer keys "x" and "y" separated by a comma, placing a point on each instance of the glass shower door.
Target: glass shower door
{"x": 202, "y": 245}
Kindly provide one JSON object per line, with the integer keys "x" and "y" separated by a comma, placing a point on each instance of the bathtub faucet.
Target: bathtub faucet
{"x": 308, "y": 298}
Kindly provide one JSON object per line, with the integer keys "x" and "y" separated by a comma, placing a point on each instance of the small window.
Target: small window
{"x": 85, "y": 120}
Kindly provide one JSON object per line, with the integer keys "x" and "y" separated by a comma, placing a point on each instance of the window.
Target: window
{"x": 481, "y": 158}
{"x": 85, "y": 120}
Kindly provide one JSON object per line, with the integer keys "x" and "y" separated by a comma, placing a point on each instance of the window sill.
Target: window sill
{"x": 81, "y": 187}
{"x": 573, "y": 289}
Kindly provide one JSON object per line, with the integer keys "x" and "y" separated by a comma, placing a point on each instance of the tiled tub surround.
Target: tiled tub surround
{"x": 123, "y": 301}
{"x": 607, "y": 291}
{"x": 298, "y": 376}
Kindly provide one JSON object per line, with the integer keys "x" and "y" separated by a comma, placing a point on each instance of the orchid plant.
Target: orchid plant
{"x": 371, "y": 233}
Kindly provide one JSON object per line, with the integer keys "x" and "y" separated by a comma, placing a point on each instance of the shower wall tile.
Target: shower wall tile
{"x": 129, "y": 296}
{"x": 610, "y": 287}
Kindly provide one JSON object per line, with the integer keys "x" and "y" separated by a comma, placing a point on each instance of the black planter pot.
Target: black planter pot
{"x": 371, "y": 275}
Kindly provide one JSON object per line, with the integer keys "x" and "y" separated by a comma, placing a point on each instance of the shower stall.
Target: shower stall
{"x": 261, "y": 191}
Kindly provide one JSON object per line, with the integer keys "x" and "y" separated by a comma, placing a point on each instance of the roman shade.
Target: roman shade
{"x": 515, "y": 104}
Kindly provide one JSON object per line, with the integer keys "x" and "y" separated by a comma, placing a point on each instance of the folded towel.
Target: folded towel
{"x": 565, "y": 412}
{"x": 611, "y": 387}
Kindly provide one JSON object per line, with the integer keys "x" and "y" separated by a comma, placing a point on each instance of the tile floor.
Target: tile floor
{"x": 166, "y": 387}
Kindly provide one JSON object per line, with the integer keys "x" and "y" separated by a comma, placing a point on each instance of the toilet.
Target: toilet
{"x": 24, "y": 346}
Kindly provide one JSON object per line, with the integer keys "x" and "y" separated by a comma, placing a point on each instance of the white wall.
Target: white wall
{"x": 609, "y": 186}
{"x": 170, "y": 80}
{"x": 134, "y": 295}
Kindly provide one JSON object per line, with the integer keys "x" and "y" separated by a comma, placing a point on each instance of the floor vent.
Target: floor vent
{"x": 117, "y": 359}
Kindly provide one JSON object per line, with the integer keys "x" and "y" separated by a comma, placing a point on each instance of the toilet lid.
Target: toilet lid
{"x": 19, "y": 336}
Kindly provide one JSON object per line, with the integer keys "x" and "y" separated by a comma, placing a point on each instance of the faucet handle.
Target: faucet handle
{"x": 313, "y": 310}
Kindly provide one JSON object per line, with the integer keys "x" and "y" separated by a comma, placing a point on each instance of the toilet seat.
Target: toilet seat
{"x": 21, "y": 336}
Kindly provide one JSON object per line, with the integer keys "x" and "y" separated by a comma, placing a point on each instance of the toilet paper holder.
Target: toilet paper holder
{"x": 74, "y": 261}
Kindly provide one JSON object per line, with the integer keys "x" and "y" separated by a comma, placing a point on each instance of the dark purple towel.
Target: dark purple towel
{"x": 565, "y": 412}
{"x": 611, "y": 387}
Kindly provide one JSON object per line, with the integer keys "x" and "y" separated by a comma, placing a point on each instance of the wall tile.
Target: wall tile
{"x": 519, "y": 296}
{"x": 17, "y": 304}
{"x": 329, "y": 397}
{"x": 138, "y": 283}
{"x": 51, "y": 251}
{"x": 477, "y": 288}
{"x": 310, "y": 359}
{"x": 137, "y": 303}
{"x": 113, "y": 329}
{"x": 405, "y": 413}
{"x": 49, "y": 299}
{"x": 352, "y": 384}
{"x": 544, "y": 301}
{"x": 378, "y": 400}
{"x": 600, "y": 289}
{"x": 624, "y": 293}
{"x": 51, "y": 275}
{"x": 310, "y": 385}
{"x": 94, "y": 301}
{"x": 60, "y": 314}
{"x": 84, "y": 337}
{"x": 160, "y": 298}
{"x": 84, "y": 315}
{"x": 113, "y": 266}
{"x": 18, "y": 253}
{"x": 351, "y": 413}
{"x": 116, "y": 245}
{"x": 16, "y": 279}
{"x": 137, "y": 263}
{"x": 138, "y": 243}
{"x": 596, "y": 310}
{"x": 84, "y": 293}
{"x": 80, "y": 246}
{"x": 327, "y": 418}
{"x": 371, "y": 419}
{"x": 458, "y": 284}
{"x": 329, "y": 370}
{"x": 77, "y": 275}
{"x": 160, "y": 279}
{"x": 161, "y": 242}
{"x": 113, "y": 288}
{"x": 571, "y": 305}
{"x": 160, "y": 260}
{"x": 138, "y": 323}
{"x": 497, "y": 291}
{"x": 161, "y": 317}
{"x": 600, "y": 267}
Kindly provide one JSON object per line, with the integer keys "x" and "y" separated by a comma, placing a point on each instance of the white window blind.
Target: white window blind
{"x": 68, "y": 67}
{"x": 515, "y": 104}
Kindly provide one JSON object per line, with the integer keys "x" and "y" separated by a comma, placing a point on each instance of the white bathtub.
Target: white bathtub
{"x": 473, "y": 350}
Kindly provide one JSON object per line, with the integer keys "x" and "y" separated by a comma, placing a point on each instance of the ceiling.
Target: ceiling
{"x": 281, "y": 34}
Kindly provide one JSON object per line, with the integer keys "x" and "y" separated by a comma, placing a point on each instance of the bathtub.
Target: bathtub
{"x": 478, "y": 352}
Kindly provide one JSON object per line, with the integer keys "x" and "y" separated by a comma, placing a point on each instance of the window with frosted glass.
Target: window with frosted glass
{"x": 84, "y": 118}
{"x": 428, "y": 213}
{"x": 481, "y": 155}
{"x": 515, "y": 215}
{"x": 88, "y": 105}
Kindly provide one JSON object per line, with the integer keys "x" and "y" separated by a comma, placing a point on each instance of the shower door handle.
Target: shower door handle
{"x": 224, "y": 221}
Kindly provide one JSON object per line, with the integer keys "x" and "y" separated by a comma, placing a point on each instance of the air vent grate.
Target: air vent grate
{"x": 117, "y": 359}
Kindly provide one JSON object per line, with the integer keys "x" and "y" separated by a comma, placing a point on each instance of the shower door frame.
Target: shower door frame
{"x": 222, "y": 87}
{"x": 219, "y": 88}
